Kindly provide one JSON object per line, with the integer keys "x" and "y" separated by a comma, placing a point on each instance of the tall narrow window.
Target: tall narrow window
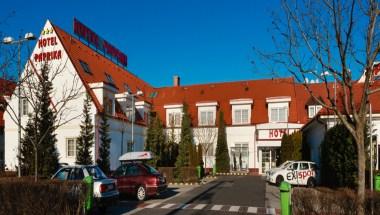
{"x": 70, "y": 147}
{"x": 24, "y": 107}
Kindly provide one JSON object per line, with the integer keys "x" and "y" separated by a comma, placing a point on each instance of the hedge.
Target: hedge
{"x": 25, "y": 196}
{"x": 328, "y": 201}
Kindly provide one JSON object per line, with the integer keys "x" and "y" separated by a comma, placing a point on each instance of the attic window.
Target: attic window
{"x": 109, "y": 79}
{"x": 127, "y": 88}
{"x": 85, "y": 67}
{"x": 153, "y": 94}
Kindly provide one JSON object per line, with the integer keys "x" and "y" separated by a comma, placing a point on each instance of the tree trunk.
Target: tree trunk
{"x": 35, "y": 164}
{"x": 361, "y": 169}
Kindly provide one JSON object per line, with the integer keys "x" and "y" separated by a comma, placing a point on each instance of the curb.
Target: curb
{"x": 207, "y": 178}
{"x": 232, "y": 173}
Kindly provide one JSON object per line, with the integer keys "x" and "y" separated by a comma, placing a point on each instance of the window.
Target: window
{"x": 24, "y": 107}
{"x": 127, "y": 88}
{"x": 313, "y": 110}
{"x": 207, "y": 118}
{"x": 63, "y": 174}
{"x": 279, "y": 114}
{"x": 71, "y": 147}
{"x": 85, "y": 67}
{"x": 109, "y": 79}
{"x": 241, "y": 116}
{"x": 175, "y": 119}
{"x": 108, "y": 106}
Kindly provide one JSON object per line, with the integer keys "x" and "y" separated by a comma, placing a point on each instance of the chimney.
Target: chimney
{"x": 176, "y": 80}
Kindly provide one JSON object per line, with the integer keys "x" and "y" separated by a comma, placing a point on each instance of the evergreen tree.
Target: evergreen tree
{"x": 40, "y": 132}
{"x": 86, "y": 138}
{"x": 155, "y": 141}
{"x": 186, "y": 142}
{"x": 291, "y": 147}
{"x": 105, "y": 141}
{"x": 222, "y": 158}
{"x": 27, "y": 151}
{"x": 171, "y": 149}
{"x": 339, "y": 158}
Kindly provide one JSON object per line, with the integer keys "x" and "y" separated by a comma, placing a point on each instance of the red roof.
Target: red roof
{"x": 222, "y": 93}
{"x": 6, "y": 88}
{"x": 100, "y": 66}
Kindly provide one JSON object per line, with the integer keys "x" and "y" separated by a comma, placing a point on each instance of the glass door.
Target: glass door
{"x": 239, "y": 157}
{"x": 268, "y": 159}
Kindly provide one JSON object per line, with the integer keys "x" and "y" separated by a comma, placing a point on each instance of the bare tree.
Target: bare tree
{"x": 61, "y": 99}
{"x": 335, "y": 37}
{"x": 206, "y": 137}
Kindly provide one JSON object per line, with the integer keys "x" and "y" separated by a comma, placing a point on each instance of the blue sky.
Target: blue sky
{"x": 202, "y": 41}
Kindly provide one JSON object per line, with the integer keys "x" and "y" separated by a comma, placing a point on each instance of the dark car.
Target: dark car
{"x": 140, "y": 180}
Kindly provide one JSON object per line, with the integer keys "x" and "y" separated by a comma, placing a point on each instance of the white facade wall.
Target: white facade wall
{"x": 73, "y": 110}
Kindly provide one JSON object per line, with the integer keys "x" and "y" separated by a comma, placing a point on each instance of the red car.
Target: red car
{"x": 140, "y": 180}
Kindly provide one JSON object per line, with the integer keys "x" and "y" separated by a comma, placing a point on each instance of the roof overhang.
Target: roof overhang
{"x": 278, "y": 99}
{"x": 209, "y": 103}
{"x": 241, "y": 101}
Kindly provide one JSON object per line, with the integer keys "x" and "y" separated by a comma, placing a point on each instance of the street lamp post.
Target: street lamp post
{"x": 10, "y": 40}
{"x": 138, "y": 93}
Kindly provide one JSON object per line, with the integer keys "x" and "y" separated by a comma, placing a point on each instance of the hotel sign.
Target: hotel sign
{"x": 273, "y": 134}
{"x": 100, "y": 44}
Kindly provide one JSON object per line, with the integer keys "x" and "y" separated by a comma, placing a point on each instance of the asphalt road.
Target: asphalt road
{"x": 225, "y": 195}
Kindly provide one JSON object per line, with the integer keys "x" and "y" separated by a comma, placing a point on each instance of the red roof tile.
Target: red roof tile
{"x": 6, "y": 88}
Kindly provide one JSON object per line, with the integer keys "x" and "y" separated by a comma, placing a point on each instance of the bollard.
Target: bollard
{"x": 285, "y": 198}
{"x": 89, "y": 181}
{"x": 198, "y": 171}
{"x": 377, "y": 182}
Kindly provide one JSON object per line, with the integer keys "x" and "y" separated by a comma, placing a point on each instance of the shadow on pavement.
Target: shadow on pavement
{"x": 128, "y": 203}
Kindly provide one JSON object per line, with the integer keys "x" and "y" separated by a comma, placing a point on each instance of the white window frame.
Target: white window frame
{"x": 210, "y": 115}
{"x": 313, "y": 110}
{"x": 176, "y": 112}
{"x": 278, "y": 116}
{"x": 237, "y": 114}
{"x": 74, "y": 139}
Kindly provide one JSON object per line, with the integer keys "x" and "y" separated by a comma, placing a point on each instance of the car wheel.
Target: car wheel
{"x": 279, "y": 179}
{"x": 141, "y": 193}
{"x": 311, "y": 182}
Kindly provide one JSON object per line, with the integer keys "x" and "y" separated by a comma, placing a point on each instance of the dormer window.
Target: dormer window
{"x": 127, "y": 88}
{"x": 109, "y": 79}
{"x": 206, "y": 113}
{"x": 313, "y": 110}
{"x": 278, "y": 108}
{"x": 85, "y": 67}
{"x": 241, "y": 111}
{"x": 173, "y": 115}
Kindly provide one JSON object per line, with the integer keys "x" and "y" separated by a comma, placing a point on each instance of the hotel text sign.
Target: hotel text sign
{"x": 273, "y": 134}
{"x": 44, "y": 44}
{"x": 92, "y": 38}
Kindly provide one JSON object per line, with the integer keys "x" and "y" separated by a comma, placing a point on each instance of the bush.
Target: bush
{"x": 7, "y": 174}
{"x": 168, "y": 172}
{"x": 329, "y": 201}
{"x": 24, "y": 196}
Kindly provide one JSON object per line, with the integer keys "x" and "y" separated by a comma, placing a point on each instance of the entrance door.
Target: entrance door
{"x": 239, "y": 157}
{"x": 268, "y": 158}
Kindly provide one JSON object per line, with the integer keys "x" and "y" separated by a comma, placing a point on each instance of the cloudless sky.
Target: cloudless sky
{"x": 202, "y": 41}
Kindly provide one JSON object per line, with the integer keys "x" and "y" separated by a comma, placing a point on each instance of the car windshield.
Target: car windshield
{"x": 285, "y": 164}
{"x": 95, "y": 172}
{"x": 151, "y": 169}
